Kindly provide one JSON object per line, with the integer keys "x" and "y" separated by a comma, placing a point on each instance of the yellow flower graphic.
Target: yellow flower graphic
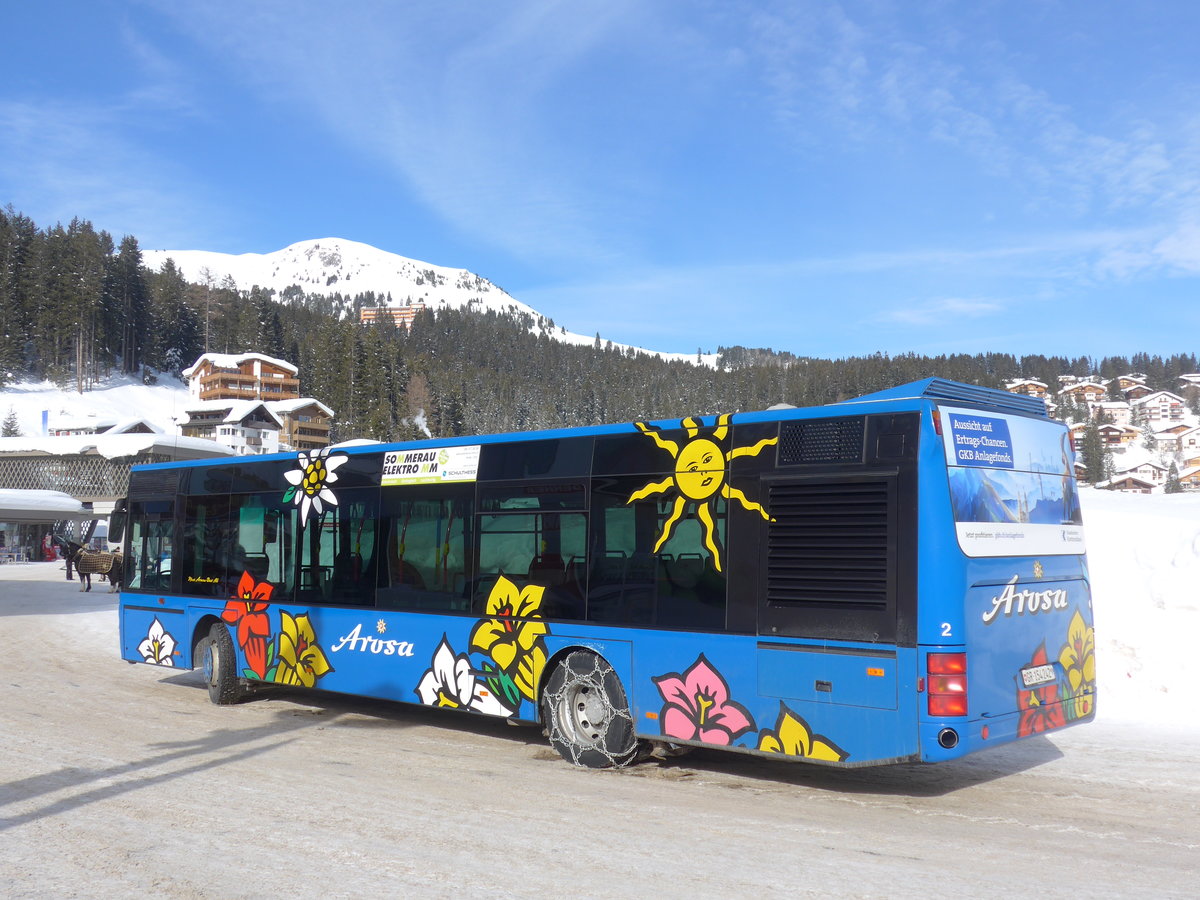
{"x": 699, "y": 477}
{"x": 513, "y": 635}
{"x": 1078, "y": 659}
{"x": 301, "y": 661}
{"x": 793, "y": 737}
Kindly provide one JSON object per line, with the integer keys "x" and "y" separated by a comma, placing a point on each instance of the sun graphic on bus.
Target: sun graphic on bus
{"x": 699, "y": 477}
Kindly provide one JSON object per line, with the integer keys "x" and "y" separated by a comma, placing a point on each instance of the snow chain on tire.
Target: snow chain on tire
{"x": 586, "y": 714}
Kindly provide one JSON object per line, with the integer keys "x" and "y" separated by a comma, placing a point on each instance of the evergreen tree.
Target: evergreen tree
{"x": 268, "y": 329}
{"x": 1095, "y": 454}
{"x": 174, "y": 341}
{"x": 127, "y": 288}
{"x": 1173, "y": 485}
{"x": 1149, "y": 442}
{"x": 10, "y": 428}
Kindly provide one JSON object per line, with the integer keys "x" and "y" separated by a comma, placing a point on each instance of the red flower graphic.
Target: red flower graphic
{"x": 1040, "y": 706}
{"x": 247, "y": 611}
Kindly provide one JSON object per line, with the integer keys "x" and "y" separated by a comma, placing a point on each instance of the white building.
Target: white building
{"x": 1158, "y": 409}
{"x": 248, "y": 427}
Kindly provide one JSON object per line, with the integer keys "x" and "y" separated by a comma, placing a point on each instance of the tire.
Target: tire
{"x": 218, "y": 662}
{"x": 586, "y": 714}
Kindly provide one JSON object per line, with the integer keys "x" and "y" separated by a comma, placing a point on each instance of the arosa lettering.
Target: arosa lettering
{"x": 1011, "y": 601}
{"x": 355, "y": 641}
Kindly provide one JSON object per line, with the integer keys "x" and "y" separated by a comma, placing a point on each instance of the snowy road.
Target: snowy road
{"x": 119, "y": 779}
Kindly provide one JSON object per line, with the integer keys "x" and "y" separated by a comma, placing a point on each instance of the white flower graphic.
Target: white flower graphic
{"x": 451, "y": 683}
{"x": 310, "y": 481}
{"x": 159, "y": 646}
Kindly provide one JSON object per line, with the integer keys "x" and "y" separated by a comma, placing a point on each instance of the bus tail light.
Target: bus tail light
{"x": 947, "y": 684}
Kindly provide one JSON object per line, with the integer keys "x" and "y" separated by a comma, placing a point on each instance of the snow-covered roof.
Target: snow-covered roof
{"x": 105, "y": 425}
{"x": 1157, "y": 395}
{"x": 234, "y": 410}
{"x": 233, "y": 360}
{"x": 1077, "y": 427}
{"x": 288, "y": 406}
{"x": 1128, "y": 478}
{"x": 1145, "y": 464}
{"x": 33, "y": 507}
{"x": 113, "y": 446}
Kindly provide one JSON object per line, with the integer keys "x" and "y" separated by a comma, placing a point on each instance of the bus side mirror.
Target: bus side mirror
{"x": 116, "y": 525}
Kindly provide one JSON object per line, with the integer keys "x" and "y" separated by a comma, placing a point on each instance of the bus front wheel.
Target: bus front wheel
{"x": 218, "y": 662}
{"x": 586, "y": 714}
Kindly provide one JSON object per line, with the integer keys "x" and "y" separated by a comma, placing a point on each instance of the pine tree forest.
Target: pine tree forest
{"x": 75, "y": 306}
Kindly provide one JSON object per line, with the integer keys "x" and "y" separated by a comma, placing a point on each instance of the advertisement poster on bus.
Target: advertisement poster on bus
{"x": 430, "y": 465}
{"x": 1011, "y": 484}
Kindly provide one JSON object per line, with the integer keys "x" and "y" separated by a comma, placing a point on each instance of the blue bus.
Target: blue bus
{"x": 900, "y": 577}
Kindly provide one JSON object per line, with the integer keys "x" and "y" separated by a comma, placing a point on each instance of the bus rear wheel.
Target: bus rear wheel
{"x": 218, "y": 662}
{"x": 586, "y": 714}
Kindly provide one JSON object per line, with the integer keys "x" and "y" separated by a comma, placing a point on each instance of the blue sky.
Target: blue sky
{"x": 829, "y": 179}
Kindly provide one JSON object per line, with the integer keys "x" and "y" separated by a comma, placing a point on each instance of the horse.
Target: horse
{"x": 93, "y": 562}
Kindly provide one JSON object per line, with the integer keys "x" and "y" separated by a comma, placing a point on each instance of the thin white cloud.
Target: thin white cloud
{"x": 453, "y": 103}
{"x": 880, "y": 75}
{"x": 944, "y": 312}
{"x": 1180, "y": 250}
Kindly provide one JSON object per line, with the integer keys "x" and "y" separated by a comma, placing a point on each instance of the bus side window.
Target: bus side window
{"x": 631, "y": 582}
{"x": 261, "y": 540}
{"x": 535, "y": 536}
{"x": 424, "y": 536}
{"x": 337, "y": 551}
{"x": 151, "y": 526}
{"x": 204, "y": 556}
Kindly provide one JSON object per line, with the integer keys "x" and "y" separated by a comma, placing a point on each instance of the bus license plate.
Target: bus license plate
{"x": 1035, "y": 675}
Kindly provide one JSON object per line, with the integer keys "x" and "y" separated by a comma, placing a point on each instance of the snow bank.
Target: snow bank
{"x": 119, "y": 399}
{"x": 1144, "y": 557}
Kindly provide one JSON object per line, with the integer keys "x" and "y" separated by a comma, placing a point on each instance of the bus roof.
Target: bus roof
{"x": 954, "y": 391}
{"x": 927, "y": 390}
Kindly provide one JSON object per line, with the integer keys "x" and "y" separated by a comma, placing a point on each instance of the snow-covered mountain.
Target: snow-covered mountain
{"x": 337, "y": 266}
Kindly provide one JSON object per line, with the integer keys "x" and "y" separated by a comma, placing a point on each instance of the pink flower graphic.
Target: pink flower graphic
{"x": 698, "y": 707}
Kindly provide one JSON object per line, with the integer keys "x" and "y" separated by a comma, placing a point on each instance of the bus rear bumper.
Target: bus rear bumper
{"x": 951, "y": 739}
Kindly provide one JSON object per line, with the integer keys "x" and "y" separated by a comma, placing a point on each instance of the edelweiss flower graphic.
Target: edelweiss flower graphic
{"x": 159, "y": 646}
{"x": 310, "y": 481}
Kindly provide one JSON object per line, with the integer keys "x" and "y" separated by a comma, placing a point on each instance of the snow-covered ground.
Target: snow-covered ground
{"x": 119, "y": 399}
{"x": 110, "y": 774}
{"x": 1144, "y": 556}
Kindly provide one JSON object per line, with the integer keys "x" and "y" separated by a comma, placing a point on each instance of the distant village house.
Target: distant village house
{"x": 251, "y": 402}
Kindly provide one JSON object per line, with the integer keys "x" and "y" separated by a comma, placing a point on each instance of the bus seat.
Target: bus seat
{"x": 257, "y": 565}
{"x": 546, "y": 570}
